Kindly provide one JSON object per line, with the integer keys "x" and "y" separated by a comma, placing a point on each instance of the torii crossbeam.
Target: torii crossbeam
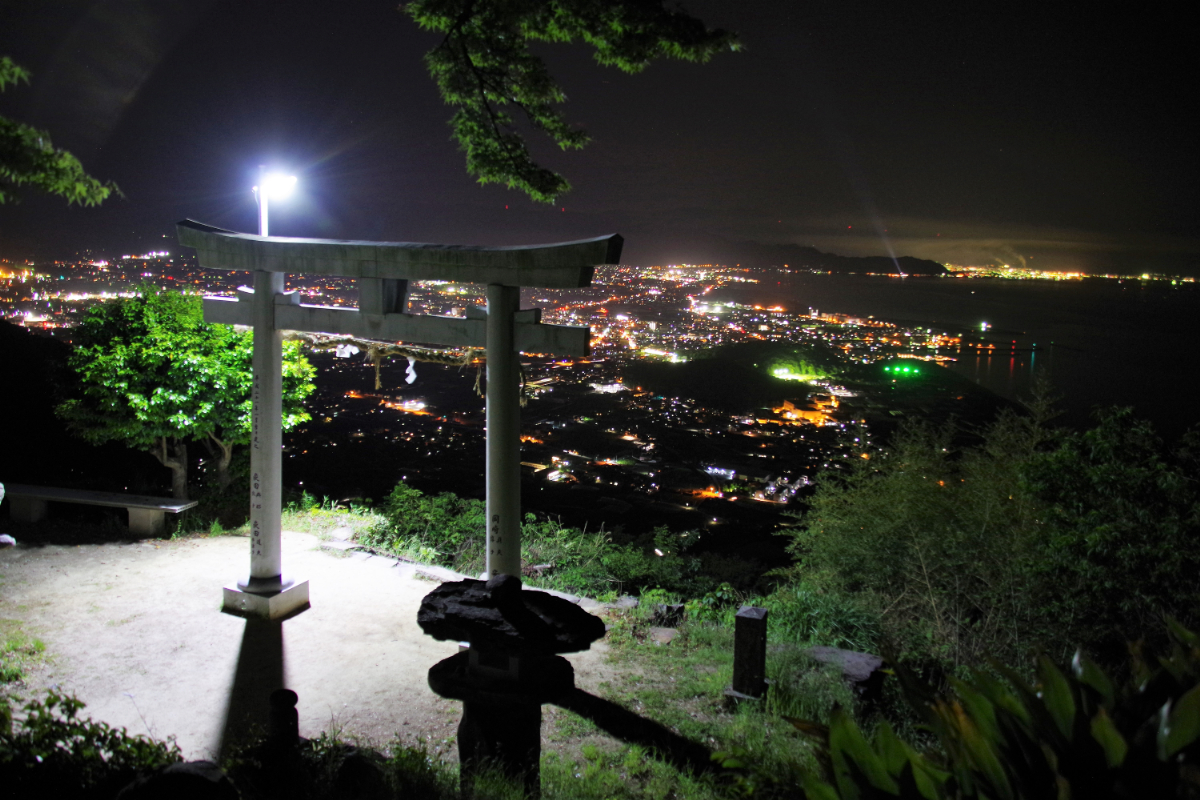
{"x": 382, "y": 271}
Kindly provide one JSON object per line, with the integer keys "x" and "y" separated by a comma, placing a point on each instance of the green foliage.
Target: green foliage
{"x": 942, "y": 543}
{"x": 802, "y": 613}
{"x": 797, "y": 367}
{"x": 1032, "y": 539}
{"x": 28, "y": 158}
{"x": 153, "y": 374}
{"x": 450, "y": 531}
{"x": 53, "y": 752}
{"x": 448, "y": 528}
{"x": 1123, "y": 524}
{"x": 1072, "y": 733}
{"x": 483, "y": 66}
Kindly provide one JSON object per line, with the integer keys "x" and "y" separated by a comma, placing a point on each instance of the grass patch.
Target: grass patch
{"x": 681, "y": 685}
{"x": 305, "y": 514}
{"x": 18, "y": 652}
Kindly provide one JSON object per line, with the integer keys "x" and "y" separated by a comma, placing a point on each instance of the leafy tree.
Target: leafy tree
{"x": 483, "y": 66}
{"x": 1034, "y": 538}
{"x": 27, "y": 157}
{"x": 154, "y": 375}
{"x": 1124, "y": 522}
{"x": 940, "y": 540}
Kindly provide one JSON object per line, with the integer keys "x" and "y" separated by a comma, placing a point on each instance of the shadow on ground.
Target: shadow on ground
{"x": 259, "y": 672}
{"x": 621, "y": 723}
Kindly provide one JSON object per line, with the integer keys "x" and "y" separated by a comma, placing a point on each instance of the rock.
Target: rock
{"x": 624, "y": 601}
{"x": 499, "y": 614}
{"x": 860, "y": 670}
{"x": 7, "y": 541}
{"x": 336, "y": 544}
{"x": 189, "y": 780}
{"x": 661, "y": 636}
{"x": 668, "y": 615}
{"x": 535, "y": 570}
{"x": 342, "y": 533}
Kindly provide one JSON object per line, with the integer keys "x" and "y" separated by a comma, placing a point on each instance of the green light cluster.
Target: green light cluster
{"x": 902, "y": 370}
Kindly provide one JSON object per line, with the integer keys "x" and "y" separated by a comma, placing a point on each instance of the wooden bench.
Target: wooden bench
{"x": 146, "y": 514}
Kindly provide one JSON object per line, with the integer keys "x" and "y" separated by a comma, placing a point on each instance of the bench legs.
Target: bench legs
{"x": 146, "y": 521}
{"x": 142, "y": 521}
{"x": 27, "y": 509}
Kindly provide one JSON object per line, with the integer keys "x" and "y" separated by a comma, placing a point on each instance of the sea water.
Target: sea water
{"x": 1099, "y": 342}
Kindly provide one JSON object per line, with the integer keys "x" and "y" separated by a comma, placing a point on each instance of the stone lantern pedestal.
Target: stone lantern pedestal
{"x": 509, "y": 671}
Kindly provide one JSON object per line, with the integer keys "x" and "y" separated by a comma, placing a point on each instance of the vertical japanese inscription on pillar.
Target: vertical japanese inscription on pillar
{"x": 255, "y": 525}
{"x": 255, "y": 405}
{"x": 496, "y": 543}
{"x": 256, "y": 479}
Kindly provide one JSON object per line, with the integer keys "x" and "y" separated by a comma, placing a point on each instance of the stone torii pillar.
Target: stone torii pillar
{"x": 382, "y": 271}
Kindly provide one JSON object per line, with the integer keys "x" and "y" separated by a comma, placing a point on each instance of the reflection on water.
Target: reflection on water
{"x": 1008, "y": 375}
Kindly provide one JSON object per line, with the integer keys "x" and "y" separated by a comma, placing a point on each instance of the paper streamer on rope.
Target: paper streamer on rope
{"x": 377, "y": 351}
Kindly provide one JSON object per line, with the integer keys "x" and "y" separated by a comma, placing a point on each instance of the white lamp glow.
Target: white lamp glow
{"x": 271, "y": 184}
{"x": 278, "y": 185}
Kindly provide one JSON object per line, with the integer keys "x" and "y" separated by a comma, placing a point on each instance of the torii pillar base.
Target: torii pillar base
{"x": 292, "y": 599}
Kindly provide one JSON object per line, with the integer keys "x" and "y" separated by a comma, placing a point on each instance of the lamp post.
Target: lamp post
{"x": 270, "y": 183}
{"x": 265, "y": 592}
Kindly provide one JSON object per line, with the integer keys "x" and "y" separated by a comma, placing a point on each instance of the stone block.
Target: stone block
{"x": 146, "y": 521}
{"x": 265, "y": 606}
{"x": 662, "y": 636}
{"x": 27, "y": 509}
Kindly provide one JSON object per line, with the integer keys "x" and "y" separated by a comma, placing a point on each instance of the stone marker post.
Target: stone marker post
{"x": 749, "y": 654}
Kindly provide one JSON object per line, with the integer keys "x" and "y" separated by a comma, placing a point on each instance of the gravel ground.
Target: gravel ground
{"x": 134, "y": 630}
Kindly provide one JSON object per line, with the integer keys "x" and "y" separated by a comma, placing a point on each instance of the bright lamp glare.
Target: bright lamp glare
{"x": 279, "y": 185}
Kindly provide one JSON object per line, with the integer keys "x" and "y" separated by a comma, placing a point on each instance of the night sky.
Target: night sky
{"x": 964, "y": 132}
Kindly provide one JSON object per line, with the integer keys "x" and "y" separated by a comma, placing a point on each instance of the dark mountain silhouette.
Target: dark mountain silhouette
{"x": 755, "y": 254}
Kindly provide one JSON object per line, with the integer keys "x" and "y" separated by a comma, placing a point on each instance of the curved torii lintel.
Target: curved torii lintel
{"x": 566, "y": 265}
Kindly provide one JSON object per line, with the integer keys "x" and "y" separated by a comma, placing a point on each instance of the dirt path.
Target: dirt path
{"x": 134, "y": 630}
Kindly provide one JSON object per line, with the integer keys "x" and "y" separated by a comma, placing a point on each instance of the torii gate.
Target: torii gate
{"x": 382, "y": 271}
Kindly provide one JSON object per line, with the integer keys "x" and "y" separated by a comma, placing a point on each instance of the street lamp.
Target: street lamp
{"x": 270, "y": 184}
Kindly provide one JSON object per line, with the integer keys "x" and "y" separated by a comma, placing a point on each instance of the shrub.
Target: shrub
{"x": 53, "y": 752}
{"x": 449, "y": 531}
{"x": 941, "y": 543}
{"x": 803, "y": 613}
{"x": 1071, "y": 733}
